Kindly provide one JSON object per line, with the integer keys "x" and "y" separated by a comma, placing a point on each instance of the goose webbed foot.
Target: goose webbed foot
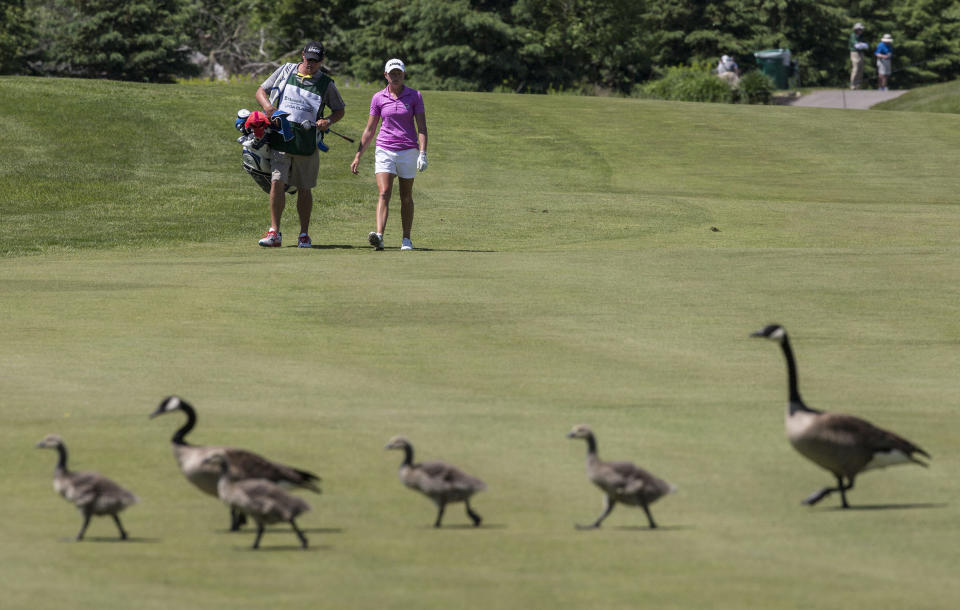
{"x": 818, "y": 495}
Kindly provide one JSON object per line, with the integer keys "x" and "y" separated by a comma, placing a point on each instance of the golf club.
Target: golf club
{"x": 307, "y": 124}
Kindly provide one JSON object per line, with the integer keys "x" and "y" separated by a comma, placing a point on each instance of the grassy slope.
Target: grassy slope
{"x": 943, "y": 97}
{"x": 572, "y": 277}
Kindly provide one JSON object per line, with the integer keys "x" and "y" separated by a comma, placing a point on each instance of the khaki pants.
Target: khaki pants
{"x": 856, "y": 69}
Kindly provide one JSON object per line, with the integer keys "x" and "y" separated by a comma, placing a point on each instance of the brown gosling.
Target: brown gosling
{"x": 264, "y": 501}
{"x": 620, "y": 481}
{"x": 439, "y": 481}
{"x": 92, "y": 493}
{"x": 842, "y": 444}
{"x": 245, "y": 464}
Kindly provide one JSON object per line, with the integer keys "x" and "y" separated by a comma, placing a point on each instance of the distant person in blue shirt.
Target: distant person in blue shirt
{"x": 884, "y": 54}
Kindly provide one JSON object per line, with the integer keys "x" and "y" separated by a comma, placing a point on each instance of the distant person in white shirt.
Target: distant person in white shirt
{"x": 728, "y": 70}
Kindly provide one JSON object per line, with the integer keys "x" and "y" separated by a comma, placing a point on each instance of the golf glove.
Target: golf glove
{"x": 422, "y": 162}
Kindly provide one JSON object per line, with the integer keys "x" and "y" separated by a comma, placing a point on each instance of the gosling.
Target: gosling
{"x": 620, "y": 481}
{"x": 263, "y": 500}
{"x": 441, "y": 482}
{"x": 92, "y": 493}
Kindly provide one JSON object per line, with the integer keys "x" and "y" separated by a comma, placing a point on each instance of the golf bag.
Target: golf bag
{"x": 255, "y": 155}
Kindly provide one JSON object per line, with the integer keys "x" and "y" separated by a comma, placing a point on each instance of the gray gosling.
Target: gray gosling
{"x": 92, "y": 493}
{"x": 439, "y": 481}
{"x": 245, "y": 464}
{"x": 842, "y": 444}
{"x": 620, "y": 481}
{"x": 264, "y": 501}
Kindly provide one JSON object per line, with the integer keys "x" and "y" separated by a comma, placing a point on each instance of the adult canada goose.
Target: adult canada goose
{"x": 92, "y": 493}
{"x": 843, "y": 444}
{"x": 439, "y": 481}
{"x": 265, "y": 501}
{"x": 245, "y": 464}
{"x": 620, "y": 481}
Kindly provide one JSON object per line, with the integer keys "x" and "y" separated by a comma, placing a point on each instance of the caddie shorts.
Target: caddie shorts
{"x": 295, "y": 170}
{"x": 403, "y": 163}
{"x": 884, "y": 67}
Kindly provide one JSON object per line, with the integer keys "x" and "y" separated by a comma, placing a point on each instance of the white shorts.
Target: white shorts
{"x": 403, "y": 163}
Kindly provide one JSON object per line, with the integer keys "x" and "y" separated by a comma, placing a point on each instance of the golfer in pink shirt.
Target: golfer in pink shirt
{"x": 401, "y": 149}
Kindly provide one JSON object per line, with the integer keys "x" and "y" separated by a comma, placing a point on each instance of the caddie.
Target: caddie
{"x": 302, "y": 90}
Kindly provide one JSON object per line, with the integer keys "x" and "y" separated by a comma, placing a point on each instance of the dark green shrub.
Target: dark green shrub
{"x": 687, "y": 84}
{"x": 755, "y": 88}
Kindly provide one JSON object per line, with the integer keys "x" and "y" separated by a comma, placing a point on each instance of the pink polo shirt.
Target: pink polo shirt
{"x": 398, "y": 130}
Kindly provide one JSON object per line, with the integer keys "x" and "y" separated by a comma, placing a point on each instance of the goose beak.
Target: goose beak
{"x": 158, "y": 411}
{"x": 758, "y": 333}
{"x": 570, "y": 435}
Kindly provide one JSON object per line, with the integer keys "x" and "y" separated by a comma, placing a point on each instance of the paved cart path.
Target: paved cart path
{"x": 844, "y": 98}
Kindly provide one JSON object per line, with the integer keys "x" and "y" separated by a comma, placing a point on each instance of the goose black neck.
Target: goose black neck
{"x": 179, "y": 435}
{"x": 591, "y": 444}
{"x": 62, "y": 457}
{"x": 407, "y": 455}
{"x": 791, "y": 372}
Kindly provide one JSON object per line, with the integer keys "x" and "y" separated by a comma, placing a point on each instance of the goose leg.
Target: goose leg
{"x": 826, "y": 491}
{"x": 237, "y": 519}
{"x": 477, "y": 519}
{"x": 123, "y": 533}
{"x": 256, "y": 541}
{"x": 440, "y": 507}
{"x": 608, "y": 505}
{"x": 303, "y": 539}
{"x": 646, "y": 509}
{"x": 83, "y": 528}
{"x": 843, "y": 491}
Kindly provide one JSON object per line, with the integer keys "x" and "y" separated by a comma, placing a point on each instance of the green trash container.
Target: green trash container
{"x": 777, "y": 64}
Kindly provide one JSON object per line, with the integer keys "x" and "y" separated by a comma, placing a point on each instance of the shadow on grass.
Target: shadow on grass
{"x": 279, "y": 529}
{"x": 467, "y": 526}
{"x": 129, "y": 540}
{"x": 352, "y": 247}
{"x": 284, "y": 548}
{"x": 910, "y": 506}
{"x": 634, "y": 528}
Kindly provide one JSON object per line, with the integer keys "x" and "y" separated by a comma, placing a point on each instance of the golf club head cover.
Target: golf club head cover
{"x": 257, "y": 123}
{"x": 242, "y": 115}
{"x": 320, "y": 145}
{"x": 281, "y": 124}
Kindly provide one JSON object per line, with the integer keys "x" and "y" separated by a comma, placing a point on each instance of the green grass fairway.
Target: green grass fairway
{"x": 942, "y": 97}
{"x": 567, "y": 272}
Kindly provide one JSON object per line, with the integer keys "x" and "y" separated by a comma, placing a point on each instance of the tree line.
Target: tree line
{"x": 530, "y": 46}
